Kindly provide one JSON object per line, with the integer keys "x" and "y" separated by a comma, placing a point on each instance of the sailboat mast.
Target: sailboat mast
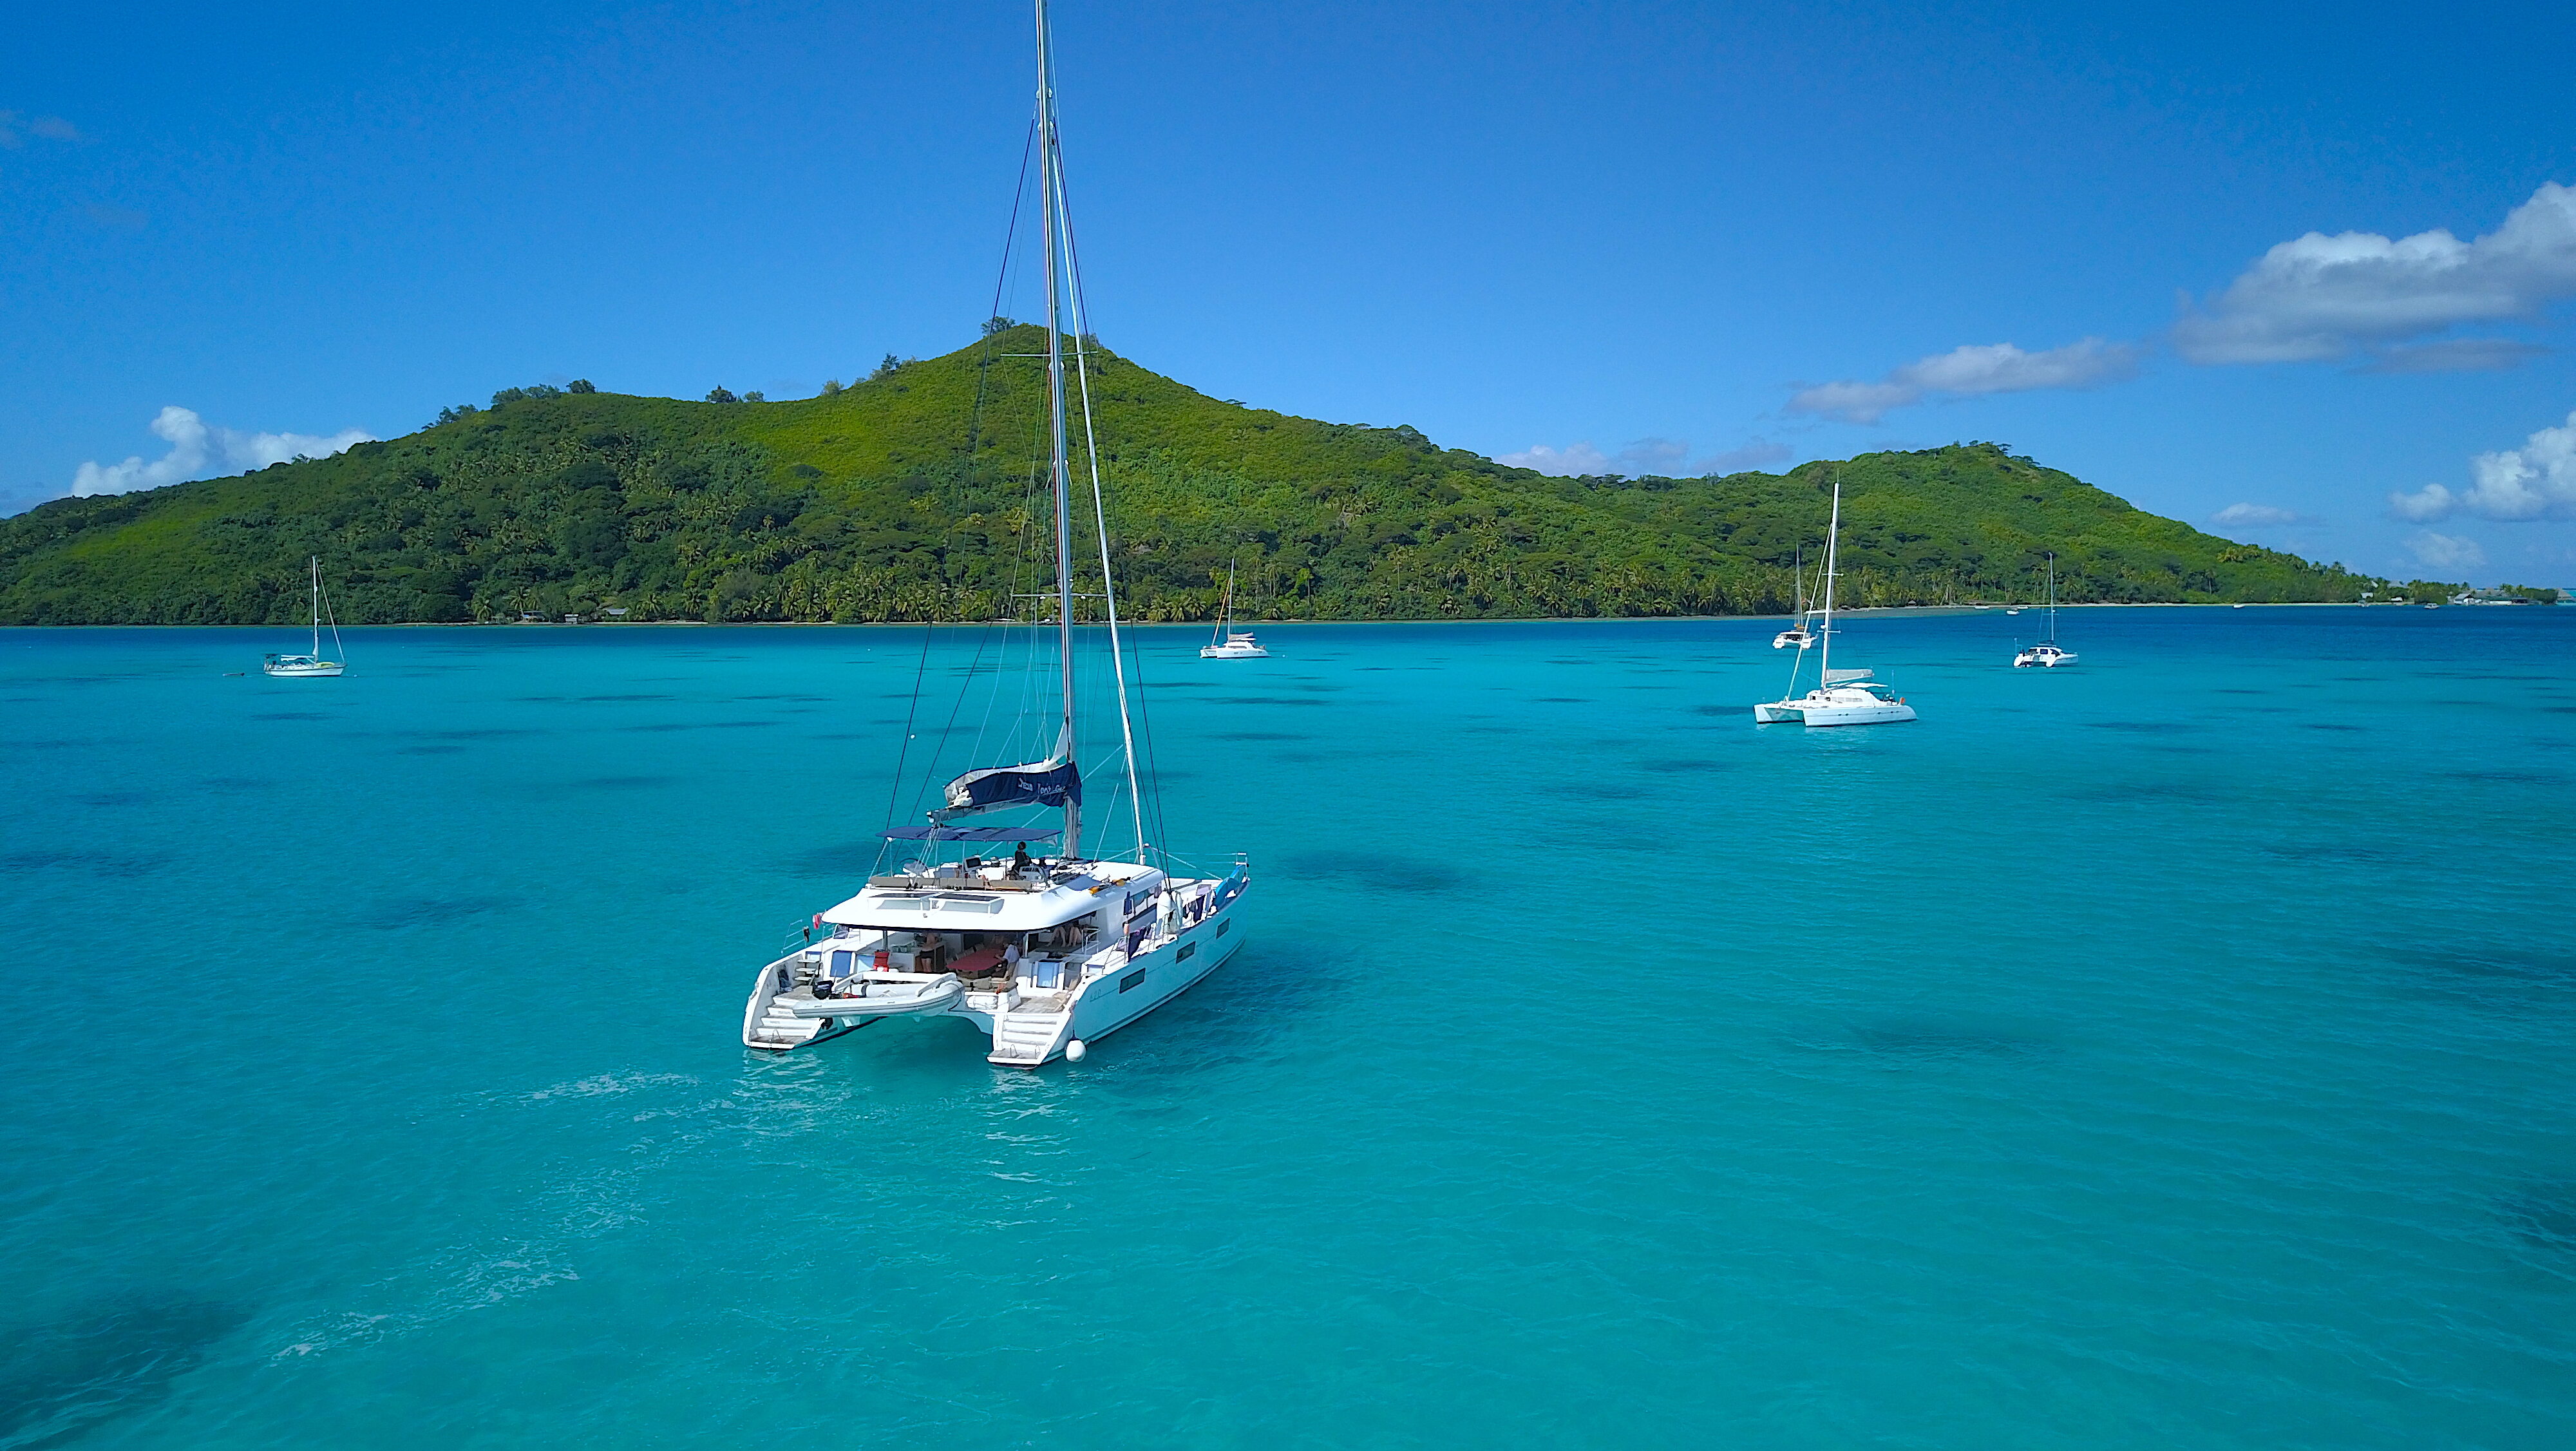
{"x": 1050, "y": 163}
{"x": 316, "y": 562}
{"x": 2052, "y": 597}
{"x": 1833, "y": 541}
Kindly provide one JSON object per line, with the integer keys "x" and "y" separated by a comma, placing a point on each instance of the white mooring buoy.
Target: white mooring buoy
{"x": 1074, "y": 1050}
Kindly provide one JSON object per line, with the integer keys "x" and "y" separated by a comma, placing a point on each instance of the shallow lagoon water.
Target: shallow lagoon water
{"x": 2169, "y": 1052}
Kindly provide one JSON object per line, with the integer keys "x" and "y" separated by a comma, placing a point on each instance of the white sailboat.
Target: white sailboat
{"x": 1044, "y": 954}
{"x": 1231, "y": 643}
{"x": 298, "y": 666}
{"x": 1797, "y": 634}
{"x": 1841, "y": 697}
{"x": 2046, "y": 655}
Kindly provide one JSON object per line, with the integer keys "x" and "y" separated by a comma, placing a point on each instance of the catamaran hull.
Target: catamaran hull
{"x": 298, "y": 672}
{"x": 1228, "y": 652}
{"x": 776, "y": 1023}
{"x": 1832, "y": 715}
{"x": 1111, "y": 1002}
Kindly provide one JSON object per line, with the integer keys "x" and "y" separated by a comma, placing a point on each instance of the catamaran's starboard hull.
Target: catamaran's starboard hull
{"x": 1113, "y": 1001}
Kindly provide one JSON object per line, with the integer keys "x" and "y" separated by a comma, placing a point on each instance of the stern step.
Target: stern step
{"x": 1026, "y": 1039}
{"x": 778, "y": 1028}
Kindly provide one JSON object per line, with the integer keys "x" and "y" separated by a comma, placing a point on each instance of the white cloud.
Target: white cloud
{"x": 197, "y": 451}
{"x": 1567, "y": 462}
{"x": 2253, "y": 516}
{"x": 51, "y": 128}
{"x": 2446, "y": 551}
{"x": 2535, "y": 481}
{"x": 2319, "y": 298}
{"x": 1663, "y": 456}
{"x": 1969, "y": 372}
{"x": 1753, "y": 455}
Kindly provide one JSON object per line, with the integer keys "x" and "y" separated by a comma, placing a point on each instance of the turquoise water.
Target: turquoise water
{"x": 2169, "y": 1052}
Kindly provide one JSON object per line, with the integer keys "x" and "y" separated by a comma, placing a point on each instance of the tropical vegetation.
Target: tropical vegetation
{"x": 919, "y": 492}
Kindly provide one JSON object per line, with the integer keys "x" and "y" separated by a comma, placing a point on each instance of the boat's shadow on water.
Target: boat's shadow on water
{"x": 2542, "y": 1217}
{"x": 61, "y": 1381}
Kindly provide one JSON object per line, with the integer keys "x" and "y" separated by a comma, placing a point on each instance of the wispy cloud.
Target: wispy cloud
{"x": 1753, "y": 455}
{"x": 2535, "y": 481}
{"x": 2446, "y": 551}
{"x": 15, "y": 129}
{"x": 1970, "y": 371}
{"x": 1643, "y": 456}
{"x": 2455, "y": 355}
{"x": 2253, "y": 516}
{"x": 198, "y": 450}
{"x": 2319, "y": 298}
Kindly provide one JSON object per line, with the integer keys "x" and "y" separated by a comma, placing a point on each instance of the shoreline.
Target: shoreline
{"x": 1873, "y": 611}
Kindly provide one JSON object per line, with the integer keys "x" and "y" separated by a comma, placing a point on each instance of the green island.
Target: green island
{"x": 918, "y": 494}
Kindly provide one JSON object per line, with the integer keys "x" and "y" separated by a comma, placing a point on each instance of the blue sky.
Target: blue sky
{"x": 1635, "y": 237}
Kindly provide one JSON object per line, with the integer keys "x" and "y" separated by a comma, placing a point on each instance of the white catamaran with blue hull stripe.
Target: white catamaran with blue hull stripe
{"x": 1045, "y": 953}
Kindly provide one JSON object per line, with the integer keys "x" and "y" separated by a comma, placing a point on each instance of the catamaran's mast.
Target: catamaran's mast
{"x": 1050, "y": 164}
{"x": 317, "y": 606}
{"x": 2052, "y": 597}
{"x": 1833, "y": 541}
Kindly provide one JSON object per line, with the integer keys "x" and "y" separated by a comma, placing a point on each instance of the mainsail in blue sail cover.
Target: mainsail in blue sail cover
{"x": 1053, "y": 782}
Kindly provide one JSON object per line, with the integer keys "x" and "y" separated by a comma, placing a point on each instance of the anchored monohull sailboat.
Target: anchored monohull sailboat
{"x": 1045, "y": 953}
{"x": 301, "y": 666}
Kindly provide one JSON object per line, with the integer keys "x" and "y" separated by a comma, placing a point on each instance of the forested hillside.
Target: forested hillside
{"x": 918, "y": 494}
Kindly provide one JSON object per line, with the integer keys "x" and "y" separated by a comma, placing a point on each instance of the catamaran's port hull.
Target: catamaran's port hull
{"x": 1831, "y": 715}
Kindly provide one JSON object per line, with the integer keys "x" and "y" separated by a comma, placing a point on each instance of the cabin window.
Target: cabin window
{"x": 1185, "y": 952}
{"x": 1132, "y": 981}
{"x": 1225, "y": 927}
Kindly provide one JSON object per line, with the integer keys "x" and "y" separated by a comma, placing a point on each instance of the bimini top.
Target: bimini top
{"x": 972, "y": 833}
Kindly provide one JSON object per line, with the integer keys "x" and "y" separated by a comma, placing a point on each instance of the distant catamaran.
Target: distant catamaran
{"x": 1231, "y": 643}
{"x": 313, "y": 664}
{"x": 1797, "y": 634}
{"x": 2045, "y": 654}
{"x": 1843, "y": 697}
{"x": 1045, "y": 953}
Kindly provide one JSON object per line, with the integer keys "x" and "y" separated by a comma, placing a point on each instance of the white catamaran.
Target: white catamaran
{"x": 1797, "y": 634}
{"x": 298, "y": 666}
{"x": 2046, "y": 653}
{"x": 1231, "y": 643}
{"x": 1842, "y": 697}
{"x": 1046, "y": 954}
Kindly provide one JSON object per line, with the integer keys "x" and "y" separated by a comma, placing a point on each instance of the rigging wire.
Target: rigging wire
{"x": 1081, "y": 314}
{"x": 974, "y": 426}
{"x": 1099, "y": 512}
